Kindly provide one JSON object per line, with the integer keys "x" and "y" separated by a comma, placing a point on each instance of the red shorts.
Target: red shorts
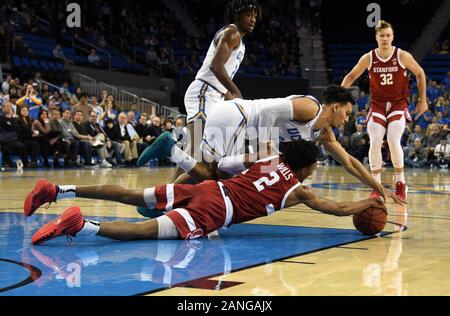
{"x": 384, "y": 113}
{"x": 196, "y": 210}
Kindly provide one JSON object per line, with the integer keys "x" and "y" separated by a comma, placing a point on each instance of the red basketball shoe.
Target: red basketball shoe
{"x": 401, "y": 190}
{"x": 43, "y": 192}
{"x": 375, "y": 195}
{"x": 69, "y": 223}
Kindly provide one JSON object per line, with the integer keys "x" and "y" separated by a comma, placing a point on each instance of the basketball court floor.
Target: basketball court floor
{"x": 293, "y": 252}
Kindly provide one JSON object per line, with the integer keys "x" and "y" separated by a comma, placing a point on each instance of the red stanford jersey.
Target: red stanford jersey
{"x": 389, "y": 81}
{"x": 260, "y": 190}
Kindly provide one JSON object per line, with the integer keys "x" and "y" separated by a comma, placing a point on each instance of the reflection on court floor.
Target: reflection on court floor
{"x": 96, "y": 266}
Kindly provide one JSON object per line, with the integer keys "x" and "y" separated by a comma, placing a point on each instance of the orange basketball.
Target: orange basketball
{"x": 370, "y": 221}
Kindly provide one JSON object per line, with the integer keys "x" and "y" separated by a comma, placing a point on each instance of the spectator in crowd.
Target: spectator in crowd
{"x": 27, "y": 136}
{"x": 362, "y": 102}
{"x": 168, "y": 125}
{"x": 94, "y": 129}
{"x": 144, "y": 133}
{"x": 355, "y": 139}
{"x": 433, "y": 91}
{"x": 96, "y": 107}
{"x": 65, "y": 89}
{"x": 417, "y": 134}
{"x": 32, "y": 100}
{"x": 131, "y": 117}
{"x": 49, "y": 140}
{"x": 361, "y": 119}
{"x": 155, "y": 127}
{"x": 67, "y": 149}
{"x": 417, "y": 155}
{"x": 442, "y": 153}
{"x": 71, "y": 134}
{"x": 432, "y": 140}
{"x": 122, "y": 135}
{"x": 5, "y": 84}
{"x": 424, "y": 119}
{"x": 111, "y": 132}
{"x": 94, "y": 59}
{"x": 9, "y": 139}
{"x": 83, "y": 106}
{"x": 96, "y": 143}
{"x": 110, "y": 108}
{"x": 58, "y": 53}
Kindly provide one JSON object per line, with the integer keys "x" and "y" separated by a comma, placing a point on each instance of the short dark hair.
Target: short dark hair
{"x": 337, "y": 94}
{"x": 235, "y": 7}
{"x": 300, "y": 154}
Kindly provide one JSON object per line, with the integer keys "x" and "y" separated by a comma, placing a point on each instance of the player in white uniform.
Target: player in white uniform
{"x": 213, "y": 82}
{"x": 292, "y": 117}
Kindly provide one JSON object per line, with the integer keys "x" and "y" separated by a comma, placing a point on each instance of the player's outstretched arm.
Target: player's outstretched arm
{"x": 307, "y": 196}
{"x": 354, "y": 166}
{"x": 357, "y": 71}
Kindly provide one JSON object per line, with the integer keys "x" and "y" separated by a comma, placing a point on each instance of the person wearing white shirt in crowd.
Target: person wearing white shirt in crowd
{"x": 442, "y": 153}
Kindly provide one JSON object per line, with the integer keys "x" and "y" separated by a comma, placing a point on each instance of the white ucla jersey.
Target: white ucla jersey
{"x": 292, "y": 130}
{"x": 231, "y": 66}
{"x": 267, "y": 115}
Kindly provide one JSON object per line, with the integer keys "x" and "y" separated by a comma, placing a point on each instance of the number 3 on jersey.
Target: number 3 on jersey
{"x": 268, "y": 182}
{"x": 386, "y": 79}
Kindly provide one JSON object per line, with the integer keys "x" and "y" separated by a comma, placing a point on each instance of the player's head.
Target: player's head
{"x": 301, "y": 156}
{"x": 384, "y": 34}
{"x": 339, "y": 101}
{"x": 243, "y": 13}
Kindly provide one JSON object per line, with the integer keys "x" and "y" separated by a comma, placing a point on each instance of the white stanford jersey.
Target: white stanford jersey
{"x": 231, "y": 66}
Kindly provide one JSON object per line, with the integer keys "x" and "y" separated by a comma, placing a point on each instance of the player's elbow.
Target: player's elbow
{"x": 214, "y": 67}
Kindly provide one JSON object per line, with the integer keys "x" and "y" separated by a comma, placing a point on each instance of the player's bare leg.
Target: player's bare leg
{"x": 195, "y": 131}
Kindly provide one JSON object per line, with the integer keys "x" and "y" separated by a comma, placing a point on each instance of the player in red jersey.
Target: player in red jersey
{"x": 192, "y": 211}
{"x": 389, "y": 90}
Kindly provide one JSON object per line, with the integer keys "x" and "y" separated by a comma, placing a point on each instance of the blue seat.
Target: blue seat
{"x": 25, "y": 61}
{"x": 17, "y": 62}
{"x": 43, "y": 64}
{"x": 34, "y": 63}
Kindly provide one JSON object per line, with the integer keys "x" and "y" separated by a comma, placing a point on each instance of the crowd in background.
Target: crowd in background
{"x": 74, "y": 128}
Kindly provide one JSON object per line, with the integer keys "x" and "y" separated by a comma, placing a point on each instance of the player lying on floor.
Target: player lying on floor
{"x": 191, "y": 211}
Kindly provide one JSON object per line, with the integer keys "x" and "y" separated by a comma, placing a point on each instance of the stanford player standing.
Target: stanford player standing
{"x": 389, "y": 90}
{"x": 192, "y": 211}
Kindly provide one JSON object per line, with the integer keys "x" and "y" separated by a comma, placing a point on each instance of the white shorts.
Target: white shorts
{"x": 167, "y": 228}
{"x": 200, "y": 99}
{"x": 230, "y": 121}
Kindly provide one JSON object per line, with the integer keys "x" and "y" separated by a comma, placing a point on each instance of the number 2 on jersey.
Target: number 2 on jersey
{"x": 268, "y": 182}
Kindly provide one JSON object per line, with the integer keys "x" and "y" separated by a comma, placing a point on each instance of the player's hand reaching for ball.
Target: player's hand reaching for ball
{"x": 385, "y": 193}
{"x": 377, "y": 203}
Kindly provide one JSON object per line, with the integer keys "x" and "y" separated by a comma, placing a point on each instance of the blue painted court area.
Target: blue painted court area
{"x": 97, "y": 266}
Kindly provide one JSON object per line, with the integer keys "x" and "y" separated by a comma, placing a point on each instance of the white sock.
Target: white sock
{"x": 66, "y": 192}
{"x": 89, "y": 228}
{"x": 377, "y": 177}
{"x": 182, "y": 159}
{"x": 400, "y": 176}
{"x": 150, "y": 197}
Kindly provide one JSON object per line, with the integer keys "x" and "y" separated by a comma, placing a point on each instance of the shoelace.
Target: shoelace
{"x": 69, "y": 239}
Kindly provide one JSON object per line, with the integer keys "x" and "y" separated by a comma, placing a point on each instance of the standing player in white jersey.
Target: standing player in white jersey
{"x": 214, "y": 81}
{"x": 389, "y": 91}
{"x": 269, "y": 120}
